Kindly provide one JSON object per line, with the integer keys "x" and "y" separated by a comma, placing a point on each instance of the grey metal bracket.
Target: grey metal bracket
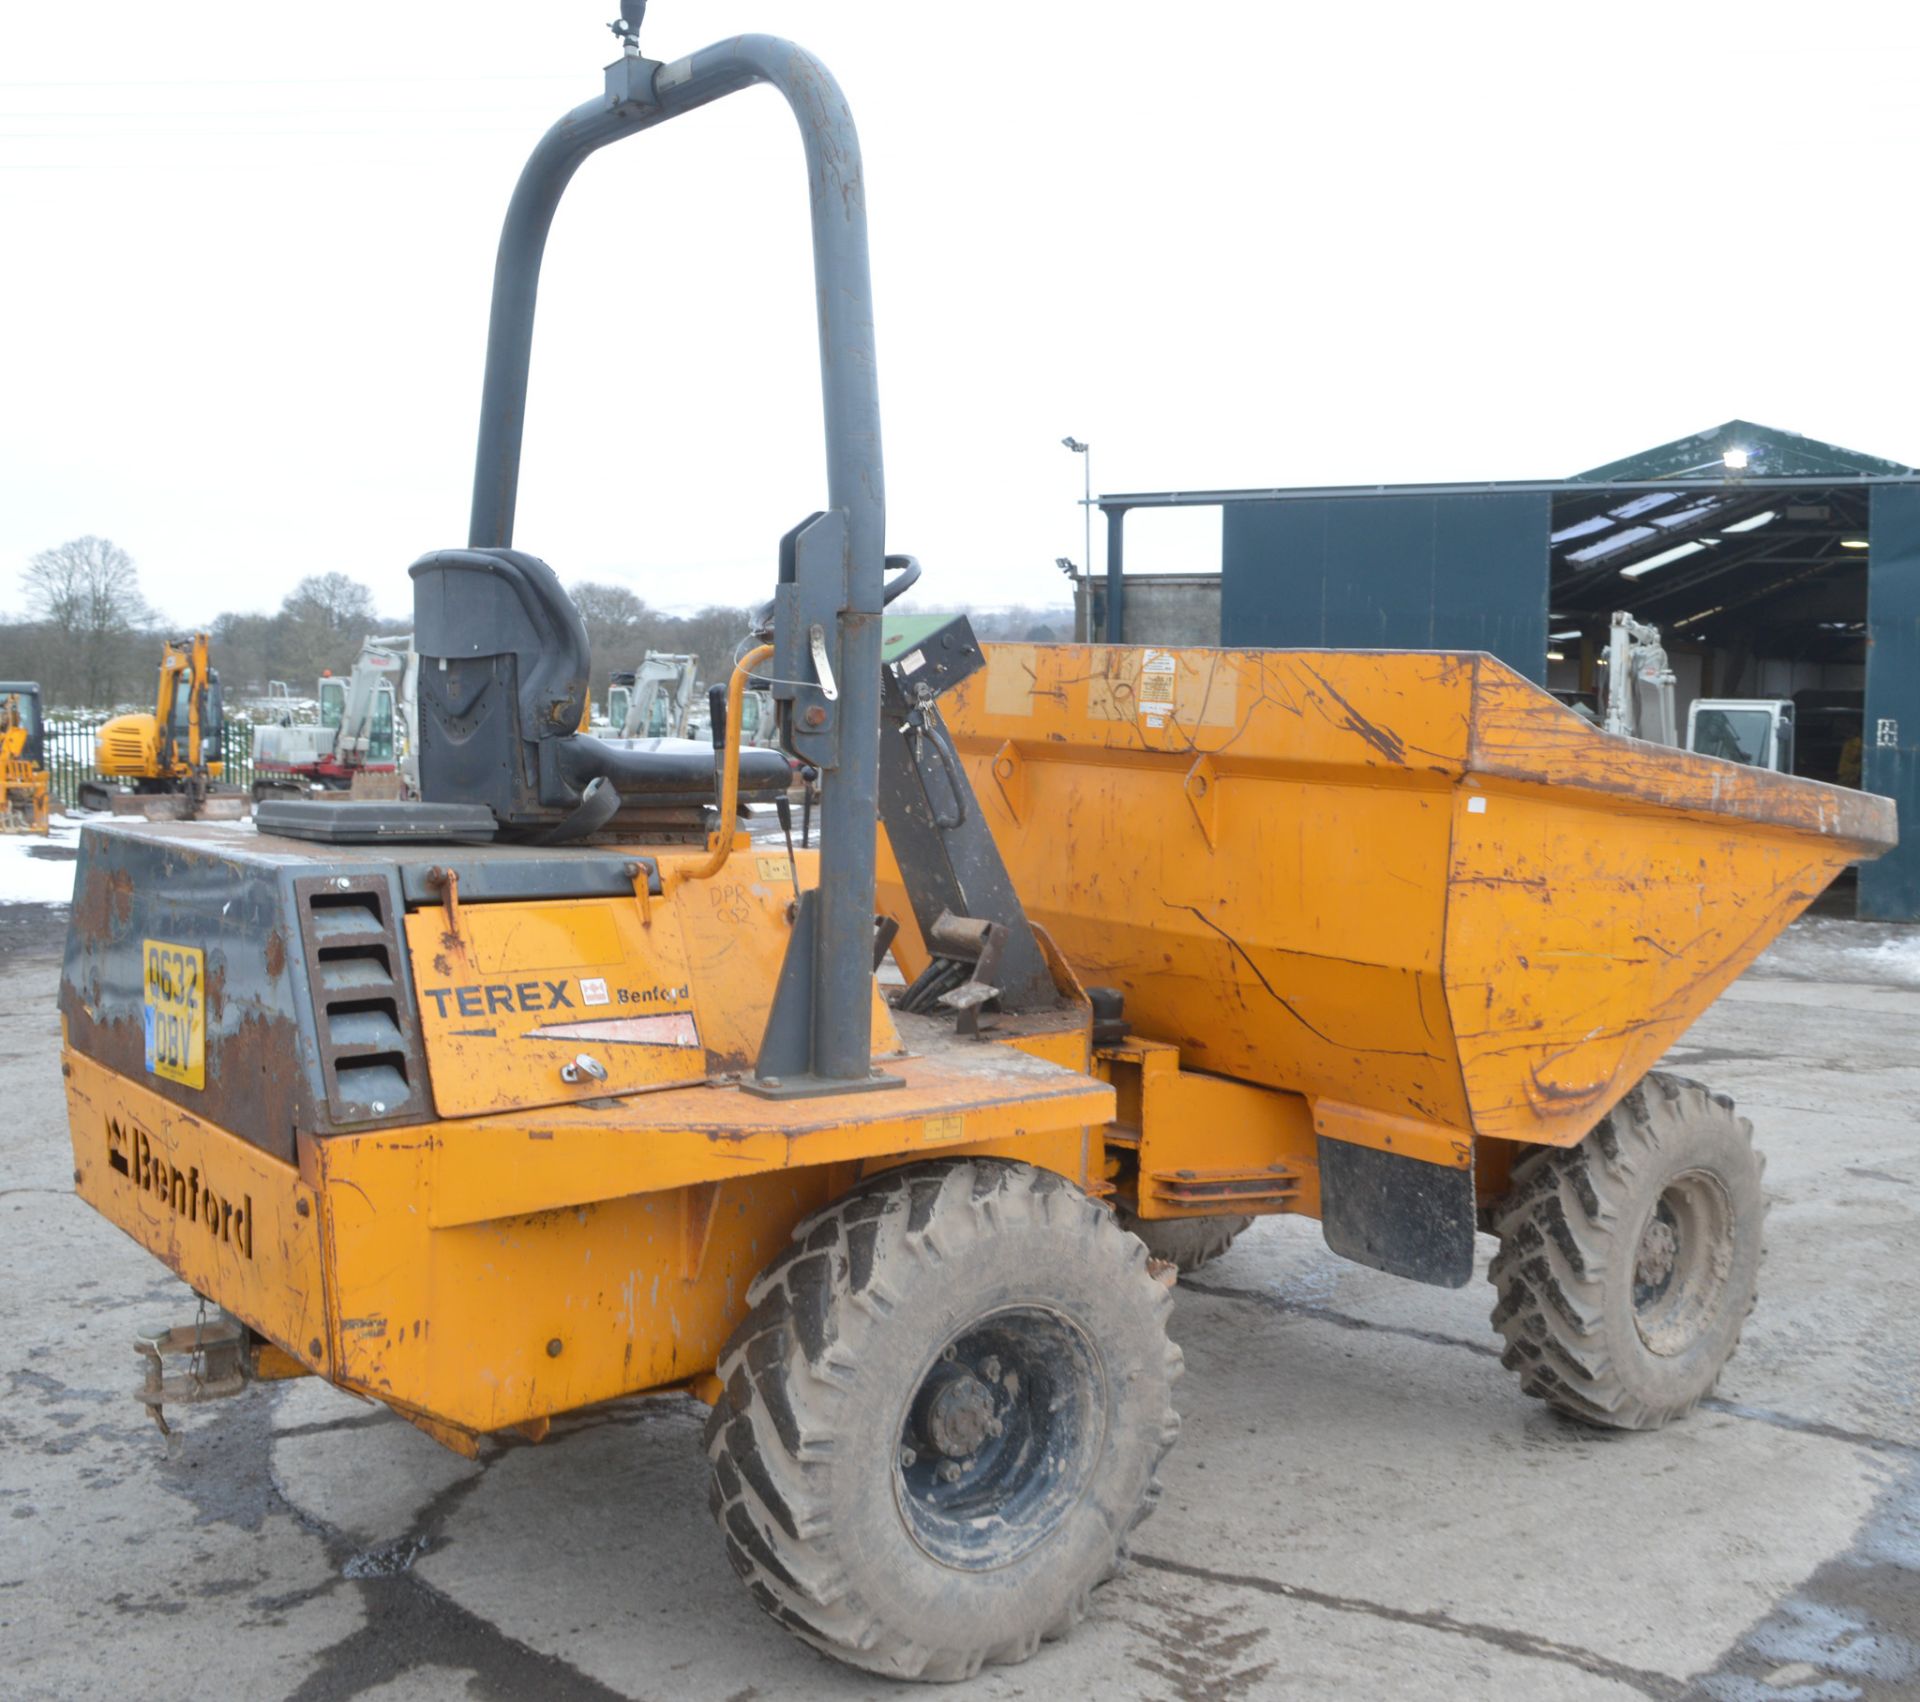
{"x": 806, "y": 636}
{"x": 783, "y": 1069}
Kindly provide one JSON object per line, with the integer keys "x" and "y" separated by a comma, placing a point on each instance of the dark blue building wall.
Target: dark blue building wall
{"x": 1454, "y": 572}
{"x": 1890, "y": 887}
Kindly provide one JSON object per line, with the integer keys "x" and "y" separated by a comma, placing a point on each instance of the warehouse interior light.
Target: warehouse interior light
{"x": 1734, "y": 460}
{"x": 1853, "y": 543}
{"x": 1678, "y": 553}
{"x": 1571, "y": 632}
{"x": 1556, "y": 656}
{"x": 1753, "y": 522}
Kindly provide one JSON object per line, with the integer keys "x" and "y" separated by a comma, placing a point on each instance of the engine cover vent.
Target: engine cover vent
{"x": 366, "y": 1026}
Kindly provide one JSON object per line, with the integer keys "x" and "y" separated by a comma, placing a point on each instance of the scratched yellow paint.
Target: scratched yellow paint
{"x": 219, "y": 1212}
{"x": 1411, "y": 886}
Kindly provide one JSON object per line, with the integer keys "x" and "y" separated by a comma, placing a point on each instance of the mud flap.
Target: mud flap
{"x": 1397, "y": 1214}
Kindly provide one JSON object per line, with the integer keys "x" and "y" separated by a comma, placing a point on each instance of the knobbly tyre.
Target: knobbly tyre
{"x": 552, "y": 1087}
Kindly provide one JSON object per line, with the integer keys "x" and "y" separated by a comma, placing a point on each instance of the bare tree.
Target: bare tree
{"x": 621, "y": 629}
{"x": 325, "y": 618}
{"x": 87, "y": 590}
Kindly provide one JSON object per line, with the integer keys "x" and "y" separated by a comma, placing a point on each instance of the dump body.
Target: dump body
{"x": 1410, "y": 884}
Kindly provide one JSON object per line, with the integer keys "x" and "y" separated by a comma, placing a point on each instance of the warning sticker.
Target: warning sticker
{"x": 1156, "y": 686}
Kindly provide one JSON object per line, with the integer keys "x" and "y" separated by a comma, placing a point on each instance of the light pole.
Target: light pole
{"x": 1086, "y": 502}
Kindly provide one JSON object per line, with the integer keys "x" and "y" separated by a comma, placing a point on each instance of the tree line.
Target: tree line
{"x": 89, "y": 636}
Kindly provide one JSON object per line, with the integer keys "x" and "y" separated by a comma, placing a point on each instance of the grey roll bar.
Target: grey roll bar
{"x": 843, "y": 574}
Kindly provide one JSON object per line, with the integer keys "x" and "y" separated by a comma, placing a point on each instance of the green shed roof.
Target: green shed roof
{"x": 1770, "y": 454}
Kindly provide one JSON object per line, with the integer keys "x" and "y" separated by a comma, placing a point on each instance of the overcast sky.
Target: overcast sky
{"x": 248, "y": 251}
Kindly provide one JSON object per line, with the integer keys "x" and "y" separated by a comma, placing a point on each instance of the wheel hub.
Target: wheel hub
{"x": 960, "y": 1416}
{"x": 1001, "y": 1438}
{"x": 1680, "y": 1263}
{"x": 1659, "y": 1248}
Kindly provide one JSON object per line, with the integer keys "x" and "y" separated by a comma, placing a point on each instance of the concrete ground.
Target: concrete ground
{"x": 1362, "y": 1504}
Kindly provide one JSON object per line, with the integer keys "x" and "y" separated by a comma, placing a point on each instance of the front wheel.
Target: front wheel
{"x": 942, "y": 1417}
{"x": 1628, "y": 1264}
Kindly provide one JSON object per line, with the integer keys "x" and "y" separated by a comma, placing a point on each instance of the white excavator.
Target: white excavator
{"x": 364, "y": 740}
{"x": 1640, "y": 704}
{"x": 653, "y": 700}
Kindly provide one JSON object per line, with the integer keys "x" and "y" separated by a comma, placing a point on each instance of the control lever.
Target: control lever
{"x": 822, "y": 668}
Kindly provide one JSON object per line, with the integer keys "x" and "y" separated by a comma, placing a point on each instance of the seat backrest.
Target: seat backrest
{"x": 502, "y": 688}
{"x": 503, "y": 670}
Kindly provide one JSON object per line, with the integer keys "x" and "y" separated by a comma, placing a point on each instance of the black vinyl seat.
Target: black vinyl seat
{"x": 504, "y": 664}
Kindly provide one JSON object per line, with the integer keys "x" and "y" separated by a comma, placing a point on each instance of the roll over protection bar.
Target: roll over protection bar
{"x": 641, "y": 93}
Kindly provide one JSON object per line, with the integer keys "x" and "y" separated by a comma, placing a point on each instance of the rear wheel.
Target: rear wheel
{"x": 1628, "y": 1264}
{"x": 1185, "y": 1242}
{"x": 942, "y": 1417}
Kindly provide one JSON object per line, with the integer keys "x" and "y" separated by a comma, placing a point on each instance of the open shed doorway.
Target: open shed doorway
{"x": 1758, "y": 593}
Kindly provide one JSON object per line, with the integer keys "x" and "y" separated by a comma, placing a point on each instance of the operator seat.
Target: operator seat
{"x": 504, "y": 664}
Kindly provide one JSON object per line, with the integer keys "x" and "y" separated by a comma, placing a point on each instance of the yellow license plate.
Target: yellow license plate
{"x": 176, "y": 1013}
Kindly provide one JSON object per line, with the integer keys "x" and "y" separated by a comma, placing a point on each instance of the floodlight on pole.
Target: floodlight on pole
{"x": 1086, "y": 500}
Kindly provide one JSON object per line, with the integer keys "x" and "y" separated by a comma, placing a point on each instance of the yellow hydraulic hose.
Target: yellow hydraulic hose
{"x": 721, "y": 846}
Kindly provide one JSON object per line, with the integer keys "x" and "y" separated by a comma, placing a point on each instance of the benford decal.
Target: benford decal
{"x": 186, "y": 1193}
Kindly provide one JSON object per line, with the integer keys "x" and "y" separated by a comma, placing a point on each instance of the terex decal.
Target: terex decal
{"x": 185, "y": 1193}
{"x": 528, "y": 997}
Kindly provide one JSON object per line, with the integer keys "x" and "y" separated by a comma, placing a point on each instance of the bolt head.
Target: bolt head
{"x": 815, "y": 716}
{"x": 553, "y": 1348}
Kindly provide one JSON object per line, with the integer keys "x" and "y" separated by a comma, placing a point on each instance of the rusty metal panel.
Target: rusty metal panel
{"x": 210, "y": 891}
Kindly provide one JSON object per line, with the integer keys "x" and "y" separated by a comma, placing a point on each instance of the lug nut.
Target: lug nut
{"x": 907, "y": 1457}
{"x": 949, "y": 1471}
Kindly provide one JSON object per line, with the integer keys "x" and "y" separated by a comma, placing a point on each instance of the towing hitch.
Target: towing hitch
{"x": 215, "y": 1357}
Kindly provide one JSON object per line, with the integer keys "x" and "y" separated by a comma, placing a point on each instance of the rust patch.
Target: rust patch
{"x": 276, "y": 953}
{"x": 103, "y": 902}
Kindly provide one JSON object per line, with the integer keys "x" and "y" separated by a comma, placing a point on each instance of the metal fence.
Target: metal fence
{"x": 69, "y": 755}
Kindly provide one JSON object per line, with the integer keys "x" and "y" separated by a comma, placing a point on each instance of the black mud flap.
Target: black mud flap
{"x": 1397, "y": 1214}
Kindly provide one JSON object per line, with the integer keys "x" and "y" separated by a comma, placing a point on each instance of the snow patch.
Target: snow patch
{"x": 37, "y": 870}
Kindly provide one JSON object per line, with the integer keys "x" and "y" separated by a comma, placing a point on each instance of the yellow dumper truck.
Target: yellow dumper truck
{"x": 555, "y": 1086}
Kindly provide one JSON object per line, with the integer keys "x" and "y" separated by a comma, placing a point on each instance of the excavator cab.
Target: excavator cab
{"x": 23, "y": 774}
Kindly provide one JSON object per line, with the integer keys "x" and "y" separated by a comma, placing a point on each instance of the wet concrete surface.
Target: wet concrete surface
{"x": 1361, "y": 1504}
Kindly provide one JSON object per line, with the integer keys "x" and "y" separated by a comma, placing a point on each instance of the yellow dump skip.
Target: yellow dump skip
{"x": 1412, "y": 883}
